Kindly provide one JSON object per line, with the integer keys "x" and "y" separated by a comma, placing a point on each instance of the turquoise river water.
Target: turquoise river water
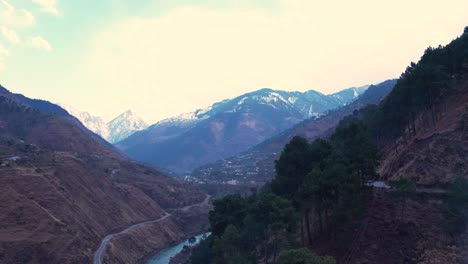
{"x": 165, "y": 255}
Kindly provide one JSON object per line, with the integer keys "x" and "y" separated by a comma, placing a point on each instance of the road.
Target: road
{"x": 99, "y": 254}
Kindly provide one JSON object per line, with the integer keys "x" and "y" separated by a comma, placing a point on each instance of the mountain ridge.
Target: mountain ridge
{"x": 113, "y": 131}
{"x": 256, "y": 165}
{"x": 228, "y": 127}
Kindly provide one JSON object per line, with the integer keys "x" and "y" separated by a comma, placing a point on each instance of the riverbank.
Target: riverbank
{"x": 177, "y": 253}
{"x": 182, "y": 258}
{"x": 137, "y": 244}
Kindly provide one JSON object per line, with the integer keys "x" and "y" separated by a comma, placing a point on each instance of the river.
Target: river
{"x": 165, "y": 255}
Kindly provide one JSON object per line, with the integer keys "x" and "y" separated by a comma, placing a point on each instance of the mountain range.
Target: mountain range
{"x": 228, "y": 127}
{"x": 256, "y": 165}
{"x": 113, "y": 131}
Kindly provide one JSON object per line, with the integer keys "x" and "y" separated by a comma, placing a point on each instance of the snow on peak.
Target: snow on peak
{"x": 116, "y": 130}
{"x": 93, "y": 123}
{"x": 124, "y": 125}
{"x": 292, "y": 99}
{"x": 242, "y": 100}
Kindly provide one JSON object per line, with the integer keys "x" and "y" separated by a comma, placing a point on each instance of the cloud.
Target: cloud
{"x": 49, "y": 6}
{"x": 3, "y": 51}
{"x": 41, "y": 43}
{"x": 15, "y": 17}
{"x": 10, "y": 35}
{"x": 211, "y": 54}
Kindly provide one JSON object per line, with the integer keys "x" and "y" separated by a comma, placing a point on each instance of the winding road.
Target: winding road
{"x": 99, "y": 254}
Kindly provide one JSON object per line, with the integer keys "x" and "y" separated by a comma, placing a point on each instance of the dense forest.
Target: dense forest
{"x": 320, "y": 188}
{"x": 324, "y": 182}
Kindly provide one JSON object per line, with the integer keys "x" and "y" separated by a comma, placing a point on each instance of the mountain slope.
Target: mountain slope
{"x": 421, "y": 130}
{"x": 228, "y": 127}
{"x": 256, "y": 166}
{"x": 422, "y": 125}
{"x": 62, "y": 191}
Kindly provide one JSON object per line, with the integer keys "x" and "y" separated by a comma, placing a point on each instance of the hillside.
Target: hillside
{"x": 422, "y": 125}
{"x": 256, "y": 166}
{"x": 421, "y": 131}
{"x": 228, "y": 127}
{"x": 62, "y": 191}
{"x": 325, "y": 203}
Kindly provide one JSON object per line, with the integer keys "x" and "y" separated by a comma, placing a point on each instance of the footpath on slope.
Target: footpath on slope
{"x": 99, "y": 254}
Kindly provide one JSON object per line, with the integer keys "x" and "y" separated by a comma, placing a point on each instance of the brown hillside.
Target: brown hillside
{"x": 438, "y": 152}
{"x": 62, "y": 191}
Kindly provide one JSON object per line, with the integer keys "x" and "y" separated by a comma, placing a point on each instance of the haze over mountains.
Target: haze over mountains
{"x": 228, "y": 127}
{"x": 113, "y": 131}
{"x": 376, "y": 174}
{"x": 256, "y": 165}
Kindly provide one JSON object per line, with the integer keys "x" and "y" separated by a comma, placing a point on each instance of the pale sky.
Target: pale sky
{"x": 161, "y": 58}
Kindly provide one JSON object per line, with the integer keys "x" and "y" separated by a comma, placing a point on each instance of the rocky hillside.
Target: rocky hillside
{"x": 256, "y": 166}
{"x": 62, "y": 191}
{"x": 228, "y": 127}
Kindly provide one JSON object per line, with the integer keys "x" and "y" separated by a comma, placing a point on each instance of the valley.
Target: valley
{"x": 352, "y": 153}
{"x": 60, "y": 185}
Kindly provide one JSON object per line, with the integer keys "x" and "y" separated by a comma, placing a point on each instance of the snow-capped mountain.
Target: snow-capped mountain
{"x": 93, "y": 123}
{"x": 114, "y": 131}
{"x": 228, "y": 127}
{"x": 124, "y": 125}
{"x": 348, "y": 95}
{"x": 309, "y": 104}
{"x": 257, "y": 163}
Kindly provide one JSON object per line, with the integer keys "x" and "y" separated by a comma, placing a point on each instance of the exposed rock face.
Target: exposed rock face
{"x": 62, "y": 190}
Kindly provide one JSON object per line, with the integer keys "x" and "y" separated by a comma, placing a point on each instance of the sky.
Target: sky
{"x": 161, "y": 58}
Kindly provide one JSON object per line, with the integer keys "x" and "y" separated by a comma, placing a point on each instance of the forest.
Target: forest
{"x": 319, "y": 188}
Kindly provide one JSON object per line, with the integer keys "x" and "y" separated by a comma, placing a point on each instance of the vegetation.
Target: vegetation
{"x": 320, "y": 187}
{"x": 404, "y": 189}
{"x": 456, "y": 206}
{"x": 321, "y": 182}
{"x": 421, "y": 87}
{"x": 302, "y": 256}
